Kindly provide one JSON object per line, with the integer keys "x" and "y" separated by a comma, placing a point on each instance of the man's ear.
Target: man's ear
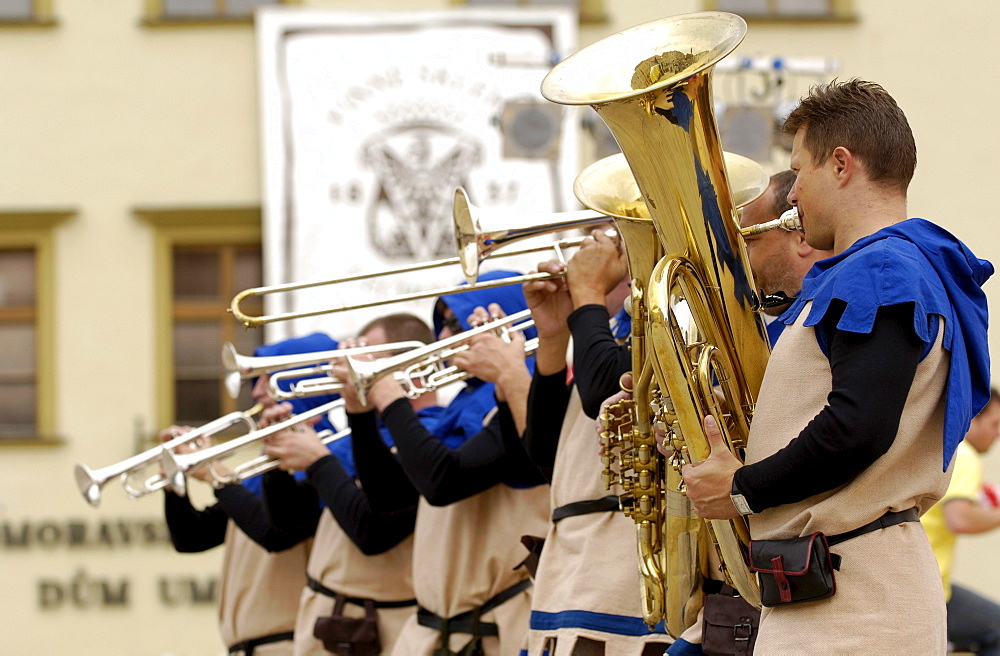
{"x": 802, "y": 248}
{"x": 844, "y": 164}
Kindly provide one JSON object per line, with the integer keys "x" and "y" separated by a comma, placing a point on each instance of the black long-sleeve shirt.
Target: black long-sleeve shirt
{"x": 598, "y": 363}
{"x": 598, "y": 359}
{"x": 427, "y": 467}
{"x": 871, "y": 378}
{"x": 193, "y": 530}
{"x": 294, "y": 506}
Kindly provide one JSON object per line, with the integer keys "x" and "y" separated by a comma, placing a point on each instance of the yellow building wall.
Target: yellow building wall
{"x": 102, "y": 115}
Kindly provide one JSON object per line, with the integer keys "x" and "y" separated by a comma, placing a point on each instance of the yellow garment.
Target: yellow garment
{"x": 965, "y": 484}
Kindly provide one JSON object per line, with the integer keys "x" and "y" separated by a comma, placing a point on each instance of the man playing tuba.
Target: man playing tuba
{"x": 881, "y": 366}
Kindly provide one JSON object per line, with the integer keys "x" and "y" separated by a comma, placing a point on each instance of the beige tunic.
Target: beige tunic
{"x": 589, "y": 562}
{"x": 889, "y": 598}
{"x": 340, "y": 565}
{"x": 467, "y": 552}
{"x": 259, "y": 591}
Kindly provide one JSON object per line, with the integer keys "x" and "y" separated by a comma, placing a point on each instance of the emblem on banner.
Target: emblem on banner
{"x": 417, "y": 167}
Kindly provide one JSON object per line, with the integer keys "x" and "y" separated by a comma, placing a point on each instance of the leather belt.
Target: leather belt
{"x": 316, "y": 586}
{"x": 885, "y": 521}
{"x": 247, "y": 646}
{"x": 468, "y": 622}
{"x": 604, "y": 504}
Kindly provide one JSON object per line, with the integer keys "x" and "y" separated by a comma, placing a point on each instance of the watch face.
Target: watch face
{"x": 741, "y": 504}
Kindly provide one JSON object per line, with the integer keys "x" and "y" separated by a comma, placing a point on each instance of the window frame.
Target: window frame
{"x": 42, "y": 16}
{"x": 153, "y": 16}
{"x": 186, "y": 227}
{"x": 35, "y": 229}
{"x": 589, "y": 12}
{"x": 842, "y": 13}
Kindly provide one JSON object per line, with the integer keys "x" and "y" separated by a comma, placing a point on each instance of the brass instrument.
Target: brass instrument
{"x": 176, "y": 466}
{"x": 243, "y": 367}
{"x": 425, "y": 369}
{"x": 264, "y": 463}
{"x": 252, "y": 321}
{"x": 651, "y": 84}
{"x": 92, "y": 481}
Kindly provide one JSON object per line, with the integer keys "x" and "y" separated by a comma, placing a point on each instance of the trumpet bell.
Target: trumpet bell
{"x": 89, "y": 484}
{"x": 233, "y": 380}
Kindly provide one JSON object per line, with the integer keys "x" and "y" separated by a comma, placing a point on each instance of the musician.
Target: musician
{"x": 973, "y": 620}
{"x": 881, "y": 366}
{"x": 779, "y": 259}
{"x": 359, "y": 583}
{"x": 581, "y": 606}
{"x": 478, "y": 494}
{"x": 259, "y": 588}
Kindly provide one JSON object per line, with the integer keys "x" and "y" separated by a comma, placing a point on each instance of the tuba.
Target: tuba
{"x": 693, "y": 302}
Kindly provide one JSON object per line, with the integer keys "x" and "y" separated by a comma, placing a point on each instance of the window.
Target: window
{"x": 787, "y": 10}
{"x": 590, "y": 11}
{"x": 26, "y": 327}
{"x": 204, "y": 258}
{"x": 29, "y": 13}
{"x": 172, "y": 12}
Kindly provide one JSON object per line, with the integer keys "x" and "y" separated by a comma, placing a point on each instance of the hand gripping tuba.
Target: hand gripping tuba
{"x": 694, "y": 319}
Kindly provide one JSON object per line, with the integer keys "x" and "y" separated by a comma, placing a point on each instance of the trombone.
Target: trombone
{"x": 251, "y": 321}
{"x": 92, "y": 481}
{"x": 177, "y": 465}
{"x": 243, "y": 367}
{"x": 607, "y": 187}
{"x": 423, "y": 370}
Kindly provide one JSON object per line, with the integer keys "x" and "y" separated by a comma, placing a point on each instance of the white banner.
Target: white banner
{"x": 370, "y": 122}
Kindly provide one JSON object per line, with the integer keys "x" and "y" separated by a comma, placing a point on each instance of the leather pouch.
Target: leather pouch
{"x": 349, "y": 636}
{"x": 793, "y": 571}
{"x": 729, "y": 625}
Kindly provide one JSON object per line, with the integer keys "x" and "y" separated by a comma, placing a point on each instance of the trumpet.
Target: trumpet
{"x": 263, "y": 463}
{"x": 92, "y": 481}
{"x": 177, "y": 465}
{"x": 423, "y": 370}
{"x": 243, "y": 367}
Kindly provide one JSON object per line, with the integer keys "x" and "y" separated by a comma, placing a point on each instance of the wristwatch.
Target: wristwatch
{"x": 740, "y": 501}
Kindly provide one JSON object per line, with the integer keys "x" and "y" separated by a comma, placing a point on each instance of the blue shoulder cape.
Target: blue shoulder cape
{"x": 914, "y": 261}
{"x": 308, "y": 344}
{"x": 464, "y": 416}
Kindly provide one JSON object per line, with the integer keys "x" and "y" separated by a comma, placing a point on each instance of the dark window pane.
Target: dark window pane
{"x": 198, "y": 401}
{"x": 248, "y": 264}
{"x": 17, "y": 9}
{"x": 244, "y": 8}
{"x": 197, "y": 349}
{"x": 17, "y": 278}
{"x": 748, "y": 7}
{"x": 17, "y": 343}
{"x": 196, "y": 274}
{"x": 17, "y": 410}
{"x": 188, "y": 8}
{"x": 804, "y": 7}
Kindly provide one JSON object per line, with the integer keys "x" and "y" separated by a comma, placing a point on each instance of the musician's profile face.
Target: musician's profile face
{"x": 450, "y": 324}
{"x": 809, "y": 192}
{"x": 771, "y": 254}
{"x": 262, "y": 391}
